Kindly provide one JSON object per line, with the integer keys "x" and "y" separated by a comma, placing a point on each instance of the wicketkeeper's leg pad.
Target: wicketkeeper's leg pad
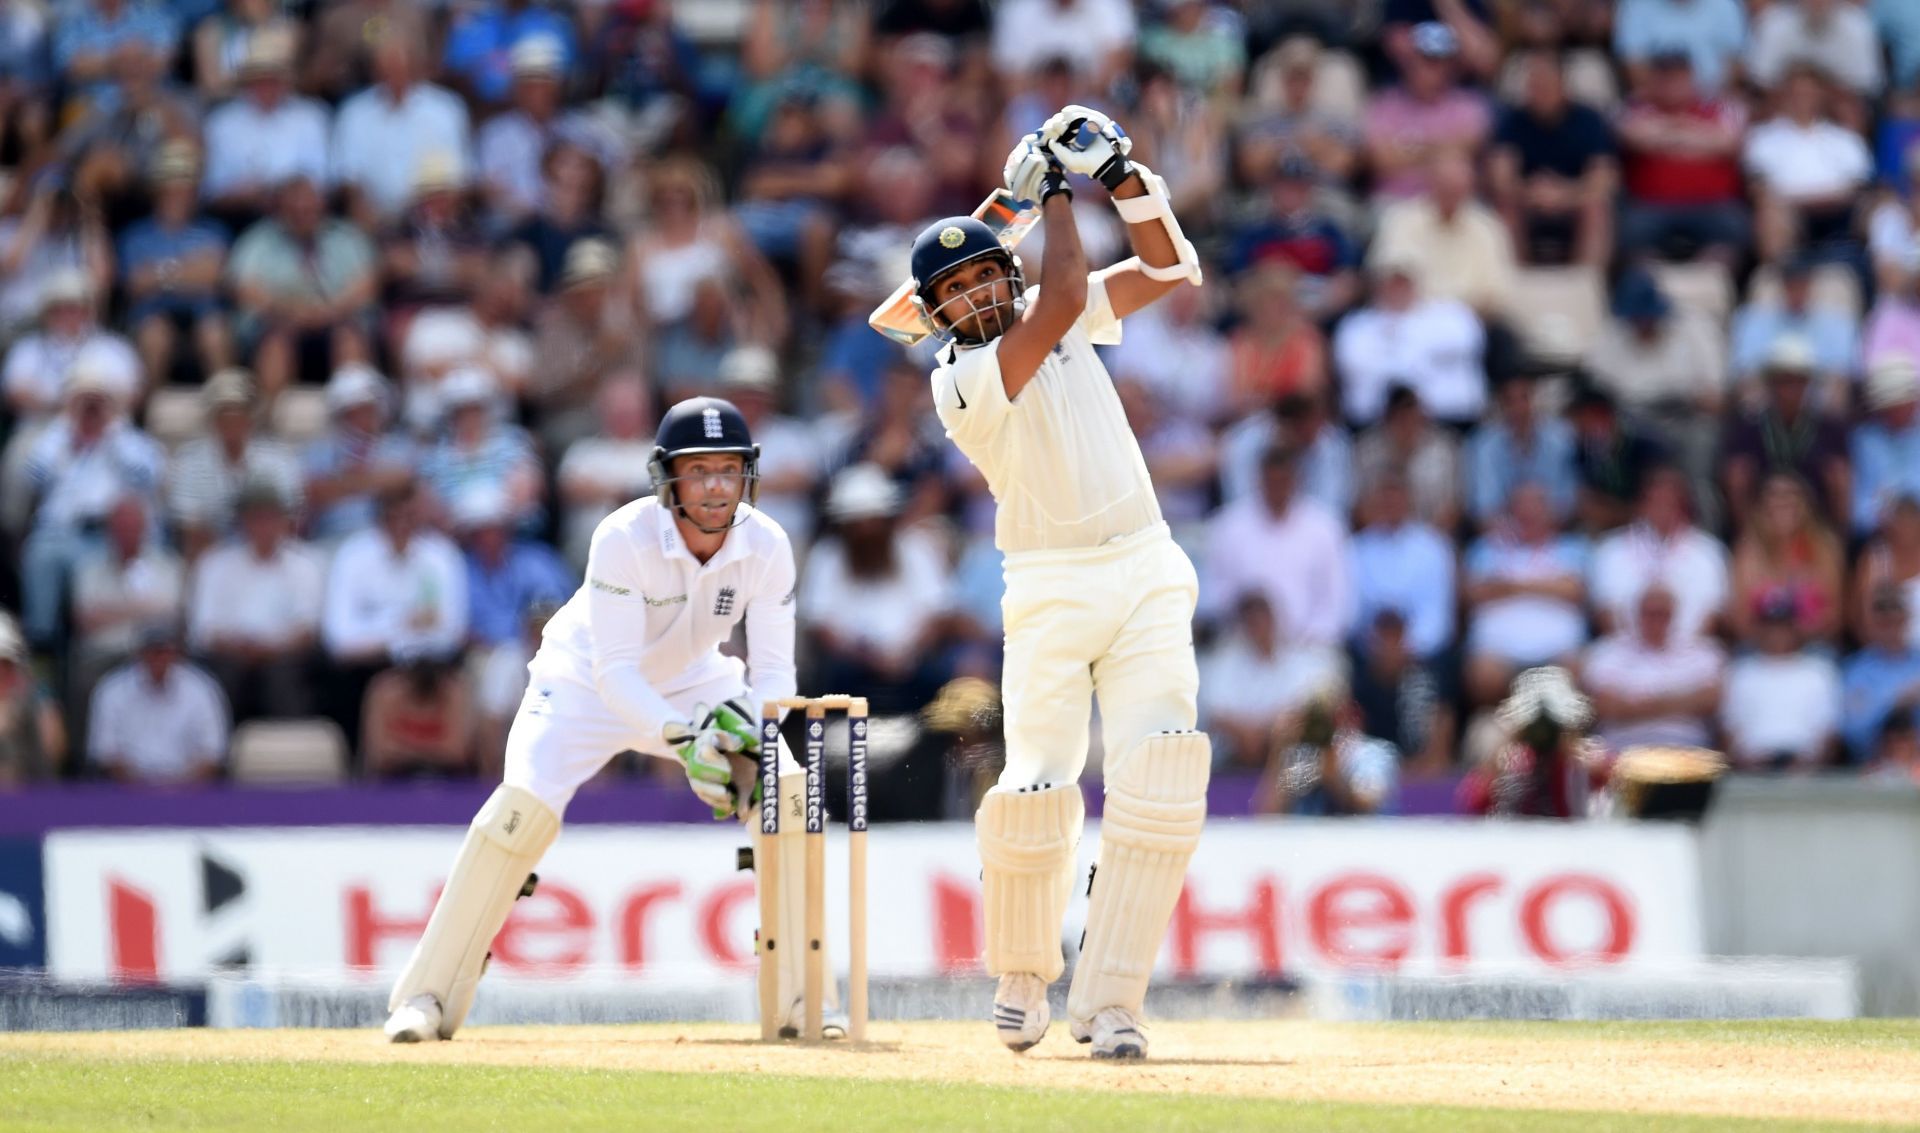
{"x": 1156, "y": 805}
{"x": 504, "y": 843}
{"x": 1028, "y": 838}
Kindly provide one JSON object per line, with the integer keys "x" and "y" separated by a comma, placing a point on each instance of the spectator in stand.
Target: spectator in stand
{"x": 1181, "y": 457}
{"x": 1710, "y": 32}
{"x": 1256, "y": 683}
{"x": 224, "y": 42}
{"x": 77, "y": 469}
{"x": 254, "y": 616}
{"x": 1181, "y": 131}
{"x": 1807, "y": 169}
{"x": 1609, "y": 459}
{"x": 790, "y": 449}
{"x": 1830, "y": 335}
{"x": 435, "y": 255}
{"x": 93, "y": 36}
{"x": 171, "y": 266}
{"x": 791, "y": 184}
{"x": 357, "y": 458}
{"x": 600, "y": 473}
{"x": 391, "y": 588}
{"x": 1407, "y": 443}
{"x": 384, "y": 132}
{"x": 500, "y": 686}
{"x": 505, "y": 575}
{"x": 33, "y": 738}
{"x": 1428, "y": 112}
{"x": 1518, "y": 445}
{"x": 1289, "y": 113}
{"x": 1288, "y": 547}
{"x": 1834, "y": 35}
{"x": 1097, "y": 35}
{"x": 304, "y": 283}
{"x": 1330, "y": 769}
{"x": 688, "y": 354}
{"x": 1457, "y": 246}
{"x": 512, "y": 144}
{"x": 1403, "y": 564}
{"x": 159, "y": 718}
{"x": 1896, "y": 753}
{"x": 1205, "y": 52}
{"x": 1881, "y": 682}
{"x": 1525, "y": 596}
{"x": 582, "y": 334}
{"x": 41, "y": 365}
{"x": 902, "y": 437}
{"x": 1298, "y": 422}
{"x": 875, "y": 600}
{"x": 1781, "y": 708}
{"x": 339, "y": 62}
{"x": 1788, "y": 435}
{"x": 1681, "y": 157}
{"x": 1785, "y": 551}
{"x": 1402, "y": 699}
{"x": 209, "y": 472}
{"x": 569, "y": 212}
{"x": 1174, "y": 348}
{"x": 1276, "y": 352}
{"x": 1651, "y": 687}
{"x": 1661, "y": 546}
{"x": 480, "y": 453}
{"x": 1891, "y": 559}
{"x": 1296, "y": 231}
{"x": 419, "y": 720}
{"x": 131, "y": 581}
{"x": 264, "y": 136}
{"x": 1885, "y": 446}
{"x": 60, "y": 232}
{"x": 1553, "y": 173}
{"x": 483, "y": 39}
{"x": 1434, "y": 346}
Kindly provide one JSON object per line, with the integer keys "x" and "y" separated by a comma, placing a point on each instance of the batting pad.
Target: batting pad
{"x": 791, "y": 899}
{"x": 1027, "y": 842}
{"x": 504, "y": 843}
{"x": 1156, "y": 805}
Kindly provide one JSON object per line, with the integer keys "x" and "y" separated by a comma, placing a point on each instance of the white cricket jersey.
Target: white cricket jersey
{"x": 650, "y": 618}
{"x": 1060, "y": 459}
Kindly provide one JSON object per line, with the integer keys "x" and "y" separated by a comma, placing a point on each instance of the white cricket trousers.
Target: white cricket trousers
{"x": 1113, "y": 621}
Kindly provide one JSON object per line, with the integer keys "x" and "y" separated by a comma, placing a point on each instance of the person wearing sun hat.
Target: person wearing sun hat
{"x": 1885, "y": 445}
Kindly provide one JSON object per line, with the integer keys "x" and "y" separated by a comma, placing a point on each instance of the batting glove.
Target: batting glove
{"x": 1089, "y": 143}
{"x": 1033, "y": 173}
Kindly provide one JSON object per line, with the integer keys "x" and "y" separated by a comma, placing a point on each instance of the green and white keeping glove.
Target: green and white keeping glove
{"x": 709, "y": 751}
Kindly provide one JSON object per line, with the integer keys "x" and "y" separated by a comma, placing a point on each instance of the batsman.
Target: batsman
{"x": 633, "y": 662}
{"x": 1099, "y": 599}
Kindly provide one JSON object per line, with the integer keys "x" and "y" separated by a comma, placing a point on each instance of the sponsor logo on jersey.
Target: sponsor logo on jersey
{"x": 610, "y": 587}
{"x": 676, "y": 600}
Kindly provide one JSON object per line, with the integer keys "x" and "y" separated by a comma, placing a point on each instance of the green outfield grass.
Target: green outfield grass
{"x": 67, "y": 1094}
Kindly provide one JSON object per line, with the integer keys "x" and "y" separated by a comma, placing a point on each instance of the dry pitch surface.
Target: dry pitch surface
{"x": 1797, "y": 1073}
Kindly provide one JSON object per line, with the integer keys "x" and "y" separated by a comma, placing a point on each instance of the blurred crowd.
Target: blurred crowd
{"x": 1569, "y": 332}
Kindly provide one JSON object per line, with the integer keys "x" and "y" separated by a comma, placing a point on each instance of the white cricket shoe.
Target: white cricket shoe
{"x": 833, "y": 1024}
{"x": 1114, "y": 1033}
{"x": 1020, "y": 1011}
{"x": 415, "y": 1021}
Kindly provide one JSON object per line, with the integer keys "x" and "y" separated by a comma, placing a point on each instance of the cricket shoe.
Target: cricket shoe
{"x": 833, "y": 1025}
{"x": 415, "y": 1021}
{"x": 1114, "y": 1033}
{"x": 1020, "y": 1011}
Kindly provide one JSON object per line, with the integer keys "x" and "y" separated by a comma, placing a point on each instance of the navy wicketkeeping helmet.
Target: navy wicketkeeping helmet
{"x": 696, "y": 426}
{"x": 945, "y": 245}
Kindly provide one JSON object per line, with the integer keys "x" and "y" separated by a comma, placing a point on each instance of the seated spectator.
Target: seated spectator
{"x": 1609, "y": 459}
{"x": 1891, "y": 560}
{"x": 1457, "y": 246}
{"x": 383, "y": 133}
{"x": 1518, "y": 445}
{"x": 1882, "y": 680}
{"x": 1710, "y": 33}
{"x": 1180, "y": 456}
{"x": 688, "y": 239}
{"x": 1299, "y": 422}
{"x": 1183, "y": 131}
{"x": 1896, "y": 753}
{"x": 790, "y": 184}
{"x": 1402, "y": 337}
{"x": 1288, "y": 112}
{"x": 584, "y": 333}
{"x": 33, "y": 738}
{"x": 1680, "y": 156}
{"x": 1429, "y": 111}
{"x": 1426, "y": 456}
{"x": 391, "y": 588}
{"x": 479, "y": 453}
{"x": 1097, "y": 37}
{"x": 1205, "y": 54}
{"x": 171, "y": 265}
{"x": 1525, "y": 596}
{"x": 159, "y": 718}
{"x": 790, "y": 447}
{"x": 687, "y": 354}
{"x": 1287, "y": 547}
{"x": 264, "y": 137}
{"x": 209, "y": 472}
{"x": 902, "y": 437}
{"x": 59, "y": 233}
{"x": 1276, "y": 352}
{"x": 1893, "y": 227}
{"x": 1807, "y": 169}
{"x": 1255, "y": 683}
{"x": 303, "y": 283}
{"x": 419, "y": 720}
{"x": 1651, "y": 688}
{"x": 570, "y": 211}
{"x": 94, "y": 36}
{"x": 78, "y": 469}
{"x": 500, "y": 686}
{"x": 512, "y": 145}
{"x": 1553, "y": 174}
{"x": 435, "y": 254}
{"x": 1837, "y": 37}
{"x": 227, "y": 39}
{"x": 609, "y": 469}
{"x": 1402, "y": 564}
{"x": 1885, "y": 447}
{"x": 339, "y": 63}
{"x": 1786, "y": 553}
{"x": 1893, "y": 324}
{"x": 1294, "y": 229}
{"x": 131, "y": 581}
{"x": 1407, "y": 701}
{"x": 505, "y": 576}
{"x": 1174, "y": 348}
{"x": 1830, "y": 335}
{"x": 483, "y": 41}
{"x": 1330, "y": 768}
{"x": 875, "y": 600}
{"x": 357, "y": 457}
{"x": 254, "y": 617}
{"x": 41, "y": 364}
{"x": 1660, "y": 546}
{"x": 1781, "y": 709}
{"x": 1787, "y": 435}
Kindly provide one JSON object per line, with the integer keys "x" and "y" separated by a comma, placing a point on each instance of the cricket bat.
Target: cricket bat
{"x": 1010, "y": 220}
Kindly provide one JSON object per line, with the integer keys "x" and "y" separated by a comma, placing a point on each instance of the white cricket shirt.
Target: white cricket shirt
{"x": 650, "y": 618}
{"x": 1060, "y": 459}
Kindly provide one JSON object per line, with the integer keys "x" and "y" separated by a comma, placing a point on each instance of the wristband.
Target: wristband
{"x": 1055, "y": 182}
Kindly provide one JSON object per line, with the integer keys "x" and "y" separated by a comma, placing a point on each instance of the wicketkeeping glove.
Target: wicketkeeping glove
{"x": 1089, "y": 143}
{"x": 727, "y": 730}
